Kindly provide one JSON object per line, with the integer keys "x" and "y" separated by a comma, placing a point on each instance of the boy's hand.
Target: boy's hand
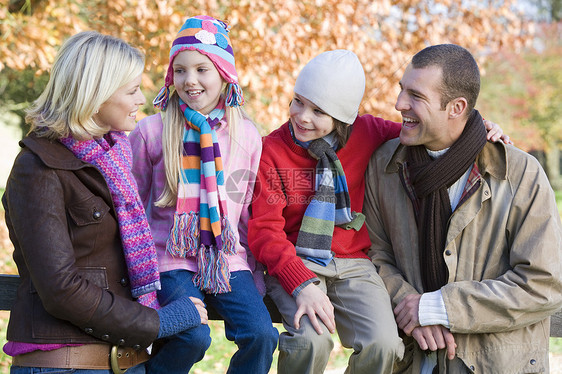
{"x": 313, "y": 302}
{"x": 495, "y": 133}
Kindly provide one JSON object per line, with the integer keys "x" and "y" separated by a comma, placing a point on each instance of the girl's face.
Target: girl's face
{"x": 120, "y": 110}
{"x": 309, "y": 122}
{"x": 197, "y": 81}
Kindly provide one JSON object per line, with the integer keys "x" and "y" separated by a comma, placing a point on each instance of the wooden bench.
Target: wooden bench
{"x": 9, "y": 284}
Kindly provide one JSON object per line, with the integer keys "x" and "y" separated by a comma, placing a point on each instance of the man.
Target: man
{"x": 465, "y": 233}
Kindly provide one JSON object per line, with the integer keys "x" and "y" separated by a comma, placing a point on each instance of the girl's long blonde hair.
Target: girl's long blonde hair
{"x": 172, "y": 144}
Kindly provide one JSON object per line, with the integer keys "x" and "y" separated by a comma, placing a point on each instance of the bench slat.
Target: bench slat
{"x": 9, "y": 284}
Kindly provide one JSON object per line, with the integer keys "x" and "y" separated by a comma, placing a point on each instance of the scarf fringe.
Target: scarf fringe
{"x": 234, "y": 95}
{"x": 184, "y": 235}
{"x": 161, "y": 100}
{"x": 228, "y": 238}
{"x": 213, "y": 275}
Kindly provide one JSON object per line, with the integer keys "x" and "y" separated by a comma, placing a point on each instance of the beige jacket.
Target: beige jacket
{"x": 503, "y": 251}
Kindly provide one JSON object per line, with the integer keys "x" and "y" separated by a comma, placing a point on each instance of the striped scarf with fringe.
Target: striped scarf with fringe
{"x": 330, "y": 206}
{"x": 115, "y": 162}
{"x": 201, "y": 228}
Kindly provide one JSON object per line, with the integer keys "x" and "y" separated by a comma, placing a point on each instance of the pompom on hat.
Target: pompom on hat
{"x": 335, "y": 82}
{"x": 208, "y": 36}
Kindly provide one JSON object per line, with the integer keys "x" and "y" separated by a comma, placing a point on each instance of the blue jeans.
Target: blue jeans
{"x": 246, "y": 321}
{"x": 139, "y": 369}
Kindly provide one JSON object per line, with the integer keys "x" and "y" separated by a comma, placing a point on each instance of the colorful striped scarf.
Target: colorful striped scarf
{"x": 114, "y": 162}
{"x": 330, "y": 205}
{"x": 201, "y": 228}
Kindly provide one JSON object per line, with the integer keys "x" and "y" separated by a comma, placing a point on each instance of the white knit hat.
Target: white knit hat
{"x": 335, "y": 82}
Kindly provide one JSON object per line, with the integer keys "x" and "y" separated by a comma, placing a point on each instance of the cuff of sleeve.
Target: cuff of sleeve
{"x": 178, "y": 316}
{"x": 293, "y": 275}
{"x": 298, "y": 290}
{"x": 432, "y": 310}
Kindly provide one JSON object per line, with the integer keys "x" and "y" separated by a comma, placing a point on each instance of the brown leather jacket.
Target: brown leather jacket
{"x": 68, "y": 251}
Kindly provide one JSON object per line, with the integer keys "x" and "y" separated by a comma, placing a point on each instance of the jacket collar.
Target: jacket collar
{"x": 52, "y": 153}
{"x": 492, "y": 160}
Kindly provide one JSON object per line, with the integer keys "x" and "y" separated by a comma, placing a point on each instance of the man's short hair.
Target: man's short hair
{"x": 461, "y": 76}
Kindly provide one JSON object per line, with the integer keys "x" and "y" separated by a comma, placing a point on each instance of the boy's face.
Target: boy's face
{"x": 309, "y": 122}
{"x": 424, "y": 122}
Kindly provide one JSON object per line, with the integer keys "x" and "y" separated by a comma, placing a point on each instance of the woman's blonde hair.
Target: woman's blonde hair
{"x": 87, "y": 71}
{"x": 172, "y": 144}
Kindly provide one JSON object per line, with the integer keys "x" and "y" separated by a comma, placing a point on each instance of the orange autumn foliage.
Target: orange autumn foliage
{"x": 272, "y": 39}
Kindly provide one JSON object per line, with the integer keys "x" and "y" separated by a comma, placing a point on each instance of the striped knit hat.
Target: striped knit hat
{"x": 208, "y": 36}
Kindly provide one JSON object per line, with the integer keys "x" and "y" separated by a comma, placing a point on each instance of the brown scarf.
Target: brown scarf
{"x": 430, "y": 180}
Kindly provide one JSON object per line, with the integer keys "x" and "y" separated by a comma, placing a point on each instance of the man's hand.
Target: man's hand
{"x": 313, "y": 302}
{"x": 407, "y": 313}
{"x": 201, "y": 309}
{"x": 435, "y": 337}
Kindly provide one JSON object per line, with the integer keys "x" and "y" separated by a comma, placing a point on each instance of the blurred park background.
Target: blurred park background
{"x": 517, "y": 43}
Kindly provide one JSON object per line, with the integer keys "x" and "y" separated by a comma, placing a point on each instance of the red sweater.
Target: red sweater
{"x": 285, "y": 186}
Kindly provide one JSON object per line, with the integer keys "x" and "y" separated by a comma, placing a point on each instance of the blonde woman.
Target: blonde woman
{"x": 87, "y": 301}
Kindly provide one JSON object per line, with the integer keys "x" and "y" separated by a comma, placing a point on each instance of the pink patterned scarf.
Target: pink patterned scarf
{"x": 114, "y": 162}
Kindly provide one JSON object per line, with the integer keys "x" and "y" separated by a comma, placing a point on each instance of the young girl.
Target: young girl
{"x": 199, "y": 229}
{"x": 307, "y": 226}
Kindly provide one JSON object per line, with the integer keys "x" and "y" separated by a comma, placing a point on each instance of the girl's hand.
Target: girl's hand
{"x": 201, "y": 309}
{"x": 495, "y": 133}
{"x": 313, "y": 302}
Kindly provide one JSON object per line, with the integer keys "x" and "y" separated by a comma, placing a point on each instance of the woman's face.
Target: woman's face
{"x": 197, "y": 81}
{"x": 309, "y": 122}
{"x": 120, "y": 110}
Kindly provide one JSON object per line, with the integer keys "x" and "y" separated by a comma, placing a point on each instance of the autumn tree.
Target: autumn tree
{"x": 522, "y": 92}
{"x": 551, "y": 10}
{"x": 272, "y": 39}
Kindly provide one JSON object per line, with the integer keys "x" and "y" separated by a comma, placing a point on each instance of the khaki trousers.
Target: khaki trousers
{"x": 364, "y": 321}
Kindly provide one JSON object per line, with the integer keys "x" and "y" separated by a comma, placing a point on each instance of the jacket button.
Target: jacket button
{"x": 124, "y": 282}
{"x": 472, "y": 367}
{"x": 97, "y": 215}
{"x": 105, "y": 337}
{"x": 533, "y": 361}
{"x": 136, "y": 347}
{"x": 448, "y": 252}
{"x": 121, "y": 342}
{"x": 88, "y": 330}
